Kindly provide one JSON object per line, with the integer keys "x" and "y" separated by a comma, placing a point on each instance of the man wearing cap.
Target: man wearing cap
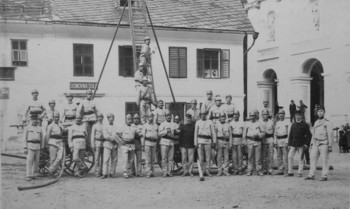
{"x": 97, "y": 141}
{"x": 166, "y": 131}
{"x": 49, "y": 115}
{"x": 237, "y": 128}
{"x": 267, "y": 142}
{"x": 54, "y": 138}
{"x": 321, "y": 144}
{"x": 204, "y": 140}
{"x": 216, "y": 110}
{"x": 138, "y": 149}
{"x": 88, "y": 109}
{"x": 224, "y": 143}
{"x": 69, "y": 111}
{"x": 228, "y": 108}
{"x": 194, "y": 111}
{"x": 253, "y": 134}
{"x": 144, "y": 100}
{"x": 77, "y": 137}
{"x": 33, "y": 139}
{"x": 266, "y": 108}
{"x": 186, "y": 142}
{"x": 208, "y": 103}
{"x": 159, "y": 113}
{"x": 145, "y": 53}
{"x": 149, "y": 141}
{"x": 281, "y": 143}
{"x": 110, "y": 148}
{"x": 35, "y": 107}
{"x": 298, "y": 140}
{"x": 126, "y": 135}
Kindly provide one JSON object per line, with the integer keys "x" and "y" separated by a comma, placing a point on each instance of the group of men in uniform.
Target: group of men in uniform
{"x": 214, "y": 130}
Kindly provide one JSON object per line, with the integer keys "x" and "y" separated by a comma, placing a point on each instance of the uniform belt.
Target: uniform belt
{"x": 215, "y": 117}
{"x": 268, "y": 135}
{"x": 151, "y": 140}
{"x": 146, "y": 100}
{"x": 204, "y": 136}
{"x": 89, "y": 112}
{"x": 230, "y": 115}
{"x": 128, "y": 142}
{"x": 252, "y": 138}
{"x": 101, "y": 140}
{"x": 282, "y": 137}
{"x": 320, "y": 139}
{"x": 55, "y": 136}
{"x": 168, "y": 137}
{"x": 33, "y": 141}
{"x": 237, "y": 135}
{"x": 70, "y": 117}
{"x": 223, "y": 138}
{"x": 78, "y": 137}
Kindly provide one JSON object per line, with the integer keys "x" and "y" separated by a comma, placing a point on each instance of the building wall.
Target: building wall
{"x": 296, "y": 33}
{"x": 50, "y": 67}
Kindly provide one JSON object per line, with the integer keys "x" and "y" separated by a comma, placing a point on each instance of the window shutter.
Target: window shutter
{"x": 173, "y": 62}
{"x": 23, "y": 55}
{"x": 15, "y": 55}
{"x": 200, "y": 63}
{"x": 121, "y": 61}
{"x": 182, "y": 62}
{"x": 225, "y": 63}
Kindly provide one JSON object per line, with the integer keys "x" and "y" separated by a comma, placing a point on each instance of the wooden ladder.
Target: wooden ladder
{"x": 138, "y": 26}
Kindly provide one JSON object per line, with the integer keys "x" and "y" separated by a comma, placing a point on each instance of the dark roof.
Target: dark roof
{"x": 186, "y": 14}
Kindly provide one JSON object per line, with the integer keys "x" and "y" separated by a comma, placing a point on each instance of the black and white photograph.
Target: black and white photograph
{"x": 168, "y": 104}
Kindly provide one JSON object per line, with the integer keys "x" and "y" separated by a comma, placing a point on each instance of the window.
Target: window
{"x": 131, "y": 108}
{"x": 213, "y": 63}
{"x": 177, "y": 62}
{"x": 83, "y": 60}
{"x": 19, "y": 53}
{"x": 7, "y": 73}
{"x": 126, "y": 64}
{"x": 180, "y": 106}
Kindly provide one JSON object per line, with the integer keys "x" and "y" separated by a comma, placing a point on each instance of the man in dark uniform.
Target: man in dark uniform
{"x": 292, "y": 109}
{"x": 186, "y": 138}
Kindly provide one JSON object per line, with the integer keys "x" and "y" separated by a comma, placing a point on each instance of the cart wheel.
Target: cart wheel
{"x": 44, "y": 162}
{"x": 88, "y": 161}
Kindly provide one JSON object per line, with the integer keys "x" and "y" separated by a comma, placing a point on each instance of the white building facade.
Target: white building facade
{"x": 302, "y": 53}
{"x": 57, "y": 57}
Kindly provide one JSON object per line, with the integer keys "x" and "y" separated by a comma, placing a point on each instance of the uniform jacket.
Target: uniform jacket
{"x": 187, "y": 135}
{"x": 207, "y": 105}
{"x": 33, "y": 137}
{"x": 150, "y": 131}
{"x": 97, "y": 134}
{"x": 77, "y": 136}
{"x": 167, "y": 132}
{"x": 127, "y": 133}
{"x": 54, "y": 134}
{"x": 282, "y": 129}
{"x": 322, "y": 132}
{"x": 215, "y": 112}
{"x": 228, "y": 110}
{"x": 110, "y": 135}
{"x": 204, "y": 128}
{"x": 159, "y": 115}
{"x": 34, "y": 107}
{"x": 223, "y": 131}
{"x": 69, "y": 111}
{"x": 88, "y": 110}
{"x": 195, "y": 113}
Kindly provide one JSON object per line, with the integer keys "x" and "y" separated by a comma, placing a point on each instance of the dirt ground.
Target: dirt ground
{"x": 179, "y": 192}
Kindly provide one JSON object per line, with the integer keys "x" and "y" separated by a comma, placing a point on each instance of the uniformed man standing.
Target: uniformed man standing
{"x": 49, "y": 116}
{"x": 204, "y": 140}
{"x": 88, "y": 109}
{"x": 144, "y": 100}
{"x": 110, "y": 148}
{"x": 228, "y": 108}
{"x": 35, "y": 107}
{"x": 54, "y": 138}
{"x": 145, "y": 53}
{"x": 216, "y": 110}
{"x": 237, "y": 128}
{"x": 159, "y": 113}
{"x": 166, "y": 132}
{"x": 138, "y": 149}
{"x": 186, "y": 142}
{"x": 281, "y": 143}
{"x": 253, "y": 135}
{"x": 298, "y": 140}
{"x": 33, "y": 139}
{"x": 97, "y": 141}
{"x": 321, "y": 144}
{"x": 267, "y": 142}
{"x": 149, "y": 143}
{"x": 194, "y": 111}
{"x": 224, "y": 143}
{"x": 127, "y": 138}
{"x": 139, "y": 75}
{"x": 69, "y": 111}
{"x": 208, "y": 103}
{"x": 77, "y": 137}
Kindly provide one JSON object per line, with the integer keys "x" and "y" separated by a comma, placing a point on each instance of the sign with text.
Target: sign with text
{"x": 82, "y": 85}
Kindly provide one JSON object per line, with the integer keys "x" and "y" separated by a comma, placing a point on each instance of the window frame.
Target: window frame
{"x": 121, "y": 58}
{"x": 222, "y": 62}
{"x": 82, "y": 57}
{"x": 178, "y": 59}
{"x": 134, "y": 108}
{"x": 7, "y": 73}
{"x": 21, "y": 52}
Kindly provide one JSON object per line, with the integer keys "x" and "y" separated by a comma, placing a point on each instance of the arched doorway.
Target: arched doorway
{"x": 268, "y": 86}
{"x": 314, "y": 69}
